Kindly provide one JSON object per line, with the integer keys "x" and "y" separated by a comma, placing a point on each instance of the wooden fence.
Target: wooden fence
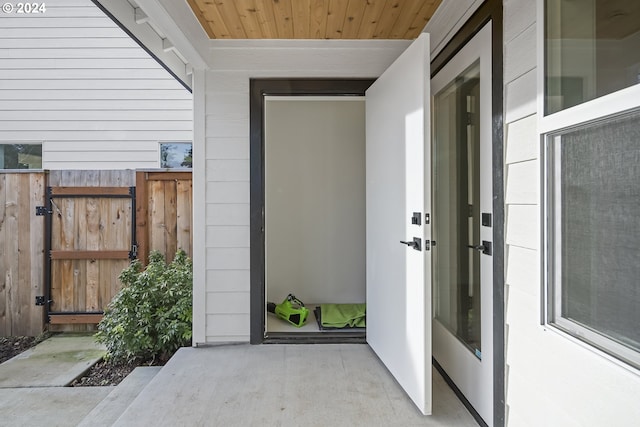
{"x": 91, "y": 227}
{"x": 163, "y": 213}
{"x": 21, "y": 253}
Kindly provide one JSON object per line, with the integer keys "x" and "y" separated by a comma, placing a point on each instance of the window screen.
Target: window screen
{"x": 593, "y": 206}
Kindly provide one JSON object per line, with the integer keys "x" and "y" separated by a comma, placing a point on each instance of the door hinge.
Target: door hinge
{"x": 427, "y": 245}
{"x": 470, "y": 120}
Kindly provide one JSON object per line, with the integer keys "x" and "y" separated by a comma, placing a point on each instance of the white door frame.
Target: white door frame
{"x": 473, "y": 373}
{"x": 489, "y": 11}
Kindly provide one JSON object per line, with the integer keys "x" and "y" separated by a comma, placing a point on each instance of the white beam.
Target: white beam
{"x": 140, "y": 16}
{"x": 125, "y": 15}
{"x": 178, "y": 23}
{"x": 167, "y": 45}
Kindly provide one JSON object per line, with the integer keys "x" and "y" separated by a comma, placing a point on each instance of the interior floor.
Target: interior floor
{"x": 275, "y": 324}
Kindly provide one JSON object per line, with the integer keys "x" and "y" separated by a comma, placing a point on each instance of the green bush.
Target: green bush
{"x": 150, "y": 318}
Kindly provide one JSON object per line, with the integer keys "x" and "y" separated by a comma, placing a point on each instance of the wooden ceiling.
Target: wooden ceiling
{"x": 313, "y": 19}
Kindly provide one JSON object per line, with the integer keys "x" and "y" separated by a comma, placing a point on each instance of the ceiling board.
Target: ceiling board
{"x": 313, "y": 19}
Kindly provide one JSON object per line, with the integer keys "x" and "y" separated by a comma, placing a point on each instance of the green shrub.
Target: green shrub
{"x": 150, "y": 318}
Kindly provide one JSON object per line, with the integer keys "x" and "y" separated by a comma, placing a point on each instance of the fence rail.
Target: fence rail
{"x": 79, "y": 237}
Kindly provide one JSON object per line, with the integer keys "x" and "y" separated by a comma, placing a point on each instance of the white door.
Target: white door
{"x": 398, "y": 274}
{"x": 462, "y": 223}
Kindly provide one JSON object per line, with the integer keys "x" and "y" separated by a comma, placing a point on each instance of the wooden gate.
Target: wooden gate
{"x": 91, "y": 239}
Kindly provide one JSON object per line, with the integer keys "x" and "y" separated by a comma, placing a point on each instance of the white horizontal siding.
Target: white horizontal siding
{"x": 41, "y": 32}
{"x": 74, "y": 53}
{"x": 227, "y": 281}
{"x": 551, "y": 379}
{"x": 227, "y": 170}
{"x": 227, "y": 213}
{"x": 519, "y": 54}
{"x": 227, "y": 327}
{"x": 519, "y": 189}
{"x": 229, "y": 302}
{"x": 227, "y": 148}
{"x": 73, "y": 80}
{"x": 91, "y": 42}
{"x": 227, "y": 236}
{"x": 142, "y": 115}
{"x": 35, "y": 124}
{"x": 520, "y": 97}
{"x": 226, "y": 122}
{"x": 61, "y": 63}
{"x": 82, "y": 74}
{"x": 45, "y": 20}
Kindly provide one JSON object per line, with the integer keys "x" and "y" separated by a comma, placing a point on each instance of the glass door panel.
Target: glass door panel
{"x": 456, "y": 196}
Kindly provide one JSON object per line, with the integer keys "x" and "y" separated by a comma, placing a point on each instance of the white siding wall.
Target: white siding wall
{"x": 226, "y": 202}
{"x": 552, "y": 380}
{"x": 71, "y": 79}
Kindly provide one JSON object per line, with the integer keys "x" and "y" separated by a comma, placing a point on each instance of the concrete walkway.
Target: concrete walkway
{"x": 48, "y": 406}
{"x": 55, "y": 362}
{"x": 285, "y": 385}
{"x": 32, "y": 384}
{"x": 264, "y": 385}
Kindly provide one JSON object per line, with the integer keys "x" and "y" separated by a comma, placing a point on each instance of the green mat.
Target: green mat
{"x": 343, "y": 315}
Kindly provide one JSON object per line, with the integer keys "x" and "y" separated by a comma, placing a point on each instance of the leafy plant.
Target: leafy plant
{"x": 151, "y": 315}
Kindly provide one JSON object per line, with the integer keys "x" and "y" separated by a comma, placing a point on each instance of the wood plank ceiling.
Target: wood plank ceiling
{"x": 313, "y": 19}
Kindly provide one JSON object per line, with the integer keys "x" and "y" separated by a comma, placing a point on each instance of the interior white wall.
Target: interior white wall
{"x": 315, "y": 200}
{"x": 551, "y": 379}
{"x": 225, "y": 199}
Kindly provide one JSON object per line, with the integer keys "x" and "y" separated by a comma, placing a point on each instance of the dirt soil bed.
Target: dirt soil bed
{"x": 105, "y": 373}
{"x": 12, "y": 346}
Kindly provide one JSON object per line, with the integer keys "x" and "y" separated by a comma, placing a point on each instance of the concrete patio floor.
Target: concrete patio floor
{"x": 285, "y": 385}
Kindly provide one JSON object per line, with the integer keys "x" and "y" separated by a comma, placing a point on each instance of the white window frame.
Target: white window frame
{"x": 549, "y": 126}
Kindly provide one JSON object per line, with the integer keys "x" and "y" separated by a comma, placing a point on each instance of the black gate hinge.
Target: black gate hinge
{"x": 133, "y": 254}
{"x": 40, "y": 300}
{"x": 42, "y": 211}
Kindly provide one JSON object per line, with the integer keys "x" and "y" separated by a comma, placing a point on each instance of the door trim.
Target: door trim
{"x": 258, "y": 89}
{"x": 491, "y": 10}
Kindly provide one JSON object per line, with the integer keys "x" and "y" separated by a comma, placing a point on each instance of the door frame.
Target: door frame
{"x": 258, "y": 89}
{"x": 490, "y": 10}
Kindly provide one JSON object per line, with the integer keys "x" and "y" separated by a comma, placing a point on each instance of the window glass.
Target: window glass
{"x": 20, "y": 156}
{"x": 456, "y": 216}
{"x": 594, "y": 202}
{"x": 592, "y": 48}
{"x": 176, "y": 155}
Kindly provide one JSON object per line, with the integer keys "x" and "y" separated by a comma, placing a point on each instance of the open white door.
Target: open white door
{"x": 399, "y": 274}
